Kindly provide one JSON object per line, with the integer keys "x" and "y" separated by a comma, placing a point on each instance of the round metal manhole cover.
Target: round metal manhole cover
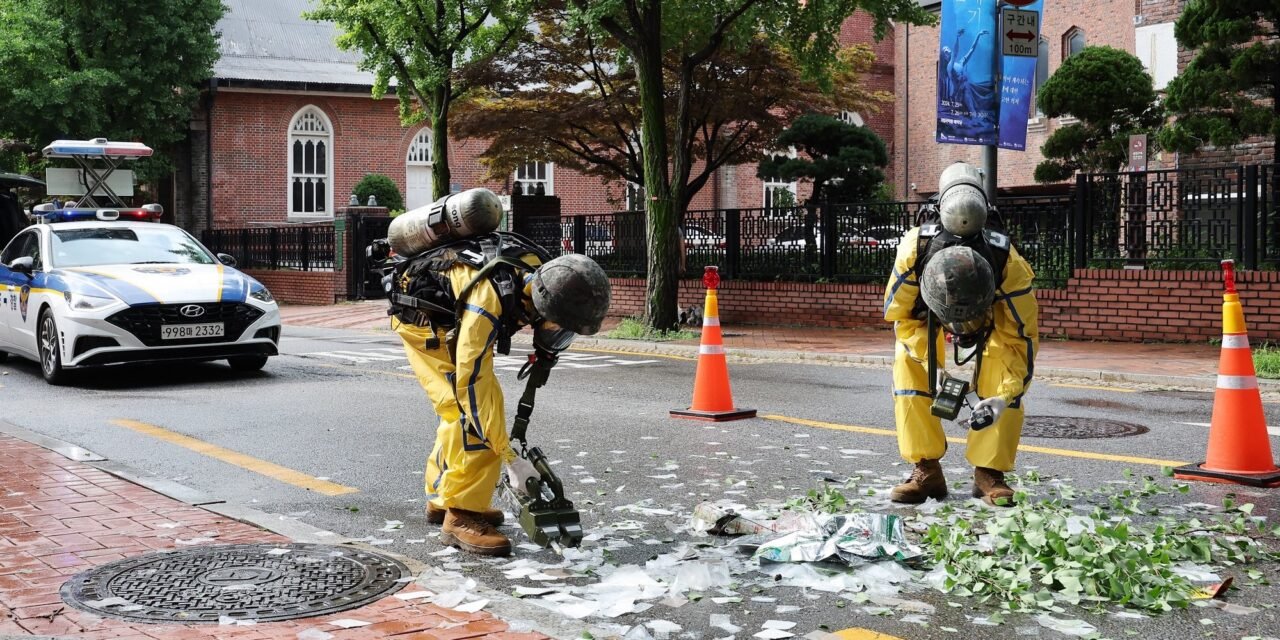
{"x": 1079, "y": 428}
{"x": 242, "y": 582}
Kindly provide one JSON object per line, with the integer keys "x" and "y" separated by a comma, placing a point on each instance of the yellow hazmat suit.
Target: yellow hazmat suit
{"x": 1007, "y": 363}
{"x": 471, "y": 442}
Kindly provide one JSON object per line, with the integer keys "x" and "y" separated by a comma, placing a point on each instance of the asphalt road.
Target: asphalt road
{"x": 341, "y": 408}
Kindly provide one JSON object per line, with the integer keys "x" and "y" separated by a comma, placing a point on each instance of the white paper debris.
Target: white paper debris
{"x": 414, "y": 595}
{"x": 774, "y": 634}
{"x": 238, "y": 622}
{"x": 778, "y": 624}
{"x": 278, "y": 552}
{"x": 313, "y": 634}
{"x": 472, "y": 607}
{"x": 722, "y": 622}
{"x": 1078, "y": 628}
{"x": 447, "y": 551}
{"x": 349, "y": 623}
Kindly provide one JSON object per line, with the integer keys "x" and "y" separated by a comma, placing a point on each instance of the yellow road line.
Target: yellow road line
{"x": 1093, "y": 387}
{"x": 637, "y": 354}
{"x": 269, "y": 469}
{"x": 858, "y": 633}
{"x": 1070, "y": 453}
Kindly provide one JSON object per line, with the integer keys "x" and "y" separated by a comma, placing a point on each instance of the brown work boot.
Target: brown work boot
{"x": 989, "y": 485}
{"x": 468, "y": 531}
{"x": 435, "y": 515}
{"x": 926, "y": 482}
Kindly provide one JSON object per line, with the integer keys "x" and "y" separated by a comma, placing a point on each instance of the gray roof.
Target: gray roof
{"x": 268, "y": 41}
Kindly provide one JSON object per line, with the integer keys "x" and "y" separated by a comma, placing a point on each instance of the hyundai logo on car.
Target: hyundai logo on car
{"x": 192, "y": 311}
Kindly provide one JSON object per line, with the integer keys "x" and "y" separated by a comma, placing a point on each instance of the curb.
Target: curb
{"x": 503, "y": 606}
{"x": 828, "y": 358}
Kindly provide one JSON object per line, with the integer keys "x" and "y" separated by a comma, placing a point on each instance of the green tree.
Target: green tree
{"x": 1111, "y": 96}
{"x": 1222, "y": 96}
{"x": 668, "y": 42}
{"x": 123, "y": 70}
{"x": 382, "y": 188}
{"x": 425, "y": 46}
{"x": 844, "y": 162}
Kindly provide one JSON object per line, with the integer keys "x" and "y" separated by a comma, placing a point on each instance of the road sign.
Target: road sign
{"x": 1020, "y": 33}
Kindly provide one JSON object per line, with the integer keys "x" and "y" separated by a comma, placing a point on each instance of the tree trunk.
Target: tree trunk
{"x": 662, "y": 210}
{"x": 440, "y": 141}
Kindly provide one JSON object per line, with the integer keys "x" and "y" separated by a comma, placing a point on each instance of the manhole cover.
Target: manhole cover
{"x": 1079, "y": 428}
{"x": 242, "y": 581}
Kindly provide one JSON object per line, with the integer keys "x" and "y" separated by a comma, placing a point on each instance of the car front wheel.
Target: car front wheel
{"x": 50, "y": 354}
{"x": 247, "y": 363}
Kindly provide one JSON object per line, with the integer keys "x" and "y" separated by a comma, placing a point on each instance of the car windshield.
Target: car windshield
{"x": 126, "y": 245}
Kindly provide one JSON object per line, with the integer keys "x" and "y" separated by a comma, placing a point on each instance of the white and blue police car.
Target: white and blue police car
{"x": 105, "y": 286}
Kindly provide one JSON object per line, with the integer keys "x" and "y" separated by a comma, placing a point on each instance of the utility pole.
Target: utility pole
{"x": 991, "y": 152}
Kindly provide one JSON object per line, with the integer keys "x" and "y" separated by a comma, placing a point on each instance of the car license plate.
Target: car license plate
{"x": 188, "y": 331}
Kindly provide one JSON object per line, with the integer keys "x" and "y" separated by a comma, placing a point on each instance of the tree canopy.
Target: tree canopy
{"x": 667, "y": 43}
{"x": 580, "y": 108}
{"x": 124, "y": 70}
{"x": 425, "y": 46}
{"x": 1111, "y": 95}
{"x": 845, "y": 162}
{"x": 1221, "y": 97}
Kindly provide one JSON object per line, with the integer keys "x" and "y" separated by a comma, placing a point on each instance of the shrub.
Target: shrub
{"x": 382, "y": 188}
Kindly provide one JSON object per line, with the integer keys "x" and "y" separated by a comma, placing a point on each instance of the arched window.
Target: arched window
{"x": 1072, "y": 42}
{"x": 535, "y": 178}
{"x": 1042, "y": 71}
{"x": 310, "y": 164}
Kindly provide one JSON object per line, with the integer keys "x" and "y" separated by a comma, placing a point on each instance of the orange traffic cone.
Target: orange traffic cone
{"x": 712, "y": 397}
{"x": 1239, "y": 446}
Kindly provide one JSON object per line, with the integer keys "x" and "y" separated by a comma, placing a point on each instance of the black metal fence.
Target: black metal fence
{"x": 826, "y": 243}
{"x": 1163, "y": 219}
{"x": 1179, "y": 218}
{"x": 296, "y": 247}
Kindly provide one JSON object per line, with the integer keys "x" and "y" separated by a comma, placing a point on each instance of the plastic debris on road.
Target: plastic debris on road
{"x": 852, "y": 539}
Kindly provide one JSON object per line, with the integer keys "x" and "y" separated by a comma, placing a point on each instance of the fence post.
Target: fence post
{"x": 273, "y": 247}
{"x": 306, "y": 248}
{"x": 1249, "y": 219}
{"x": 830, "y": 239}
{"x": 1080, "y": 226}
{"x": 732, "y": 241}
{"x": 244, "y": 249}
{"x": 580, "y": 235}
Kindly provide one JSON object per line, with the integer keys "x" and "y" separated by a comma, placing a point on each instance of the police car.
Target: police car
{"x": 91, "y": 286}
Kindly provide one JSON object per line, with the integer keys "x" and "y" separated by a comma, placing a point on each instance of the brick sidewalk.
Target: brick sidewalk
{"x": 1118, "y": 357}
{"x": 59, "y": 517}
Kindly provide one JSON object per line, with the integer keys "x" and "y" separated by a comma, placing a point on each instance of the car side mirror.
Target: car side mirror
{"x": 25, "y": 264}
{"x": 226, "y": 259}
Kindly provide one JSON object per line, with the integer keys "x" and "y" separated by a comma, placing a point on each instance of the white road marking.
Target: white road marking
{"x": 1275, "y": 431}
{"x": 509, "y": 363}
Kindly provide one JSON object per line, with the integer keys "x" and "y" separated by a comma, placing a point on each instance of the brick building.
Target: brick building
{"x": 1141, "y": 27}
{"x": 287, "y": 127}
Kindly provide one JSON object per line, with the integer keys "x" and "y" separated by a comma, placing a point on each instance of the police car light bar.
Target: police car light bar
{"x": 99, "y": 147}
{"x": 149, "y": 213}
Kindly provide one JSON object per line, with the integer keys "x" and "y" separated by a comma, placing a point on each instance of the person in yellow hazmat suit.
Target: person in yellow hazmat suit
{"x": 452, "y": 307}
{"x": 978, "y": 289}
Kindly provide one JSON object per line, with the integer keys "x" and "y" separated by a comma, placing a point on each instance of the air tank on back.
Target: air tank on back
{"x": 455, "y": 216}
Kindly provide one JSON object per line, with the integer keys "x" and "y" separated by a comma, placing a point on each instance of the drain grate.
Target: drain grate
{"x": 243, "y": 581}
{"x": 1079, "y": 428}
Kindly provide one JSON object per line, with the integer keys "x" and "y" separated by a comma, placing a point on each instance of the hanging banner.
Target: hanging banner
{"x": 967, "y": 105}
{"x": 1020, "y": 48}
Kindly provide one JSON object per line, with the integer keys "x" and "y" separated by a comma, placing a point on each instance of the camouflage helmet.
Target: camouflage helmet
{"x": 958, "y": 287}
{"x": 573, "y": 292}
{"x": 962, "y": 203}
